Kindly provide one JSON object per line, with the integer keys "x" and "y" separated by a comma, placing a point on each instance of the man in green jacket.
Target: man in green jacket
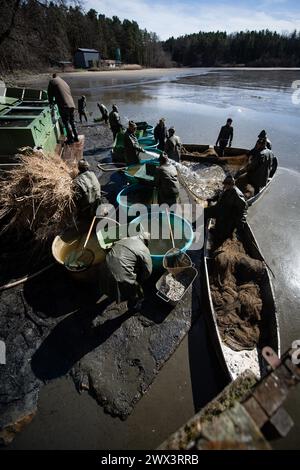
{"x": 131, "y": 145}
{"x": 129, "y": 266}
{"x": 115, "y": 121}
{"x": 173, "y": 145}
{"x": 230, "y": 211}
{"x": 87, "y": 191}
{"x": 166, "y": 181}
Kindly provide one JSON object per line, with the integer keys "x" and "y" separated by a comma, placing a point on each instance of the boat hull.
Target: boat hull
{"x": 269, "y": 327}
{"x": 235, "y": 157}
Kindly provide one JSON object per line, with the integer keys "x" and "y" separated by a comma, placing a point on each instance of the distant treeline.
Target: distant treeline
{"x": 251, "y": 48}
{"x": 37, "y": 33}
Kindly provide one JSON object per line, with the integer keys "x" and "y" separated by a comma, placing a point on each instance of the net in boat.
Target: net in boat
{"x": 236, "y": 295}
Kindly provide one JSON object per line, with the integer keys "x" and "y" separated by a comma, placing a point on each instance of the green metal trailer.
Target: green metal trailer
{"x": 26, "y": 119}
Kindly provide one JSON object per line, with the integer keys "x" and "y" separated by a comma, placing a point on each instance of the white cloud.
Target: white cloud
{"x": 176, "y": 19}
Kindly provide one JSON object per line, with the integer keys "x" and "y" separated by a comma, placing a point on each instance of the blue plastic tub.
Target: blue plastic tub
{"x": 134, "y": 194}
{"x": 182, "y": 229}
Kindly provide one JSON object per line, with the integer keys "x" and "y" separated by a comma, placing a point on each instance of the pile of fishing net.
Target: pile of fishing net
{"x": 236, "y": 294}
{"x": 210, "y": 152}
{"x": 37, "y": 196}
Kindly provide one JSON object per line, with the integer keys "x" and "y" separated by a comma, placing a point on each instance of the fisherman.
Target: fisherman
{"x": 160, "y": 134}
{"x": 129, "y": 266}
{"x": 173, "y": 145}
{"x": 104, "y": 112}
{"x": 87, "y": 191}
{"x": 225, "y": 137}
{"x": 115, "y": 121}
{"x": 131, "y": 144}
{"x": 230, "y": 211}
{"x": 263, "y": 135}
{"x": 257, "y": 171}
{"x": 166, "y": 181}
{"x": 59, "y": 93}
{"x": 82, "y": 108}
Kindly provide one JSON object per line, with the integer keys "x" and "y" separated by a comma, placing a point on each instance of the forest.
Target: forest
{"x": 250, "y": 48}
{"x": 35, "y": 34}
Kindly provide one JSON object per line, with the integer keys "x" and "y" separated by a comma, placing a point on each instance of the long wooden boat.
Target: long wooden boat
{"x": 234, "y": 159}
{"x": 234, "y": 362}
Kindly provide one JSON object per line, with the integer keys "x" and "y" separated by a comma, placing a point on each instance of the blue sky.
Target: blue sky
{"x": 178, "y": 17}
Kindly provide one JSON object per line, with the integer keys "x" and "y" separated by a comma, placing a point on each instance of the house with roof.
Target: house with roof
{"x": 86, "y": 58}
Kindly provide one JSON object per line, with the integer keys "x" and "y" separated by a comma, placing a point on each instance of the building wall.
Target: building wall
{"x": 83, "y": 59}
{"x": 79, "y": 59}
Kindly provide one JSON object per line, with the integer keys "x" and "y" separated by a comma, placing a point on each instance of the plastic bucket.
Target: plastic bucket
{"x": 157, "y": 224}
{"x": 71, "y": 240}
{"x": 190, "y": 274}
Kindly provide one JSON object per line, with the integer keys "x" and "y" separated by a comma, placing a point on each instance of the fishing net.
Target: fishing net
{"x": 236, "y": 295}
{"x": 79, "y": 260}
{"x": 175, "y": 260}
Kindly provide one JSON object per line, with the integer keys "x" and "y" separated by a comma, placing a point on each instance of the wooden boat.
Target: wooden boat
{"x": 234, "y": 362}
{"x": 233, "y": 160}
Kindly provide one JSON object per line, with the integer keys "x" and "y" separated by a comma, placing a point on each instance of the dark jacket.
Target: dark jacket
{"x": 81, "y": 105}
{"x": 132, "y": 148}
{"x": 87, "y": 190}
{"x": 59, "y": 92}
{"x": 259, "y": 167}
{"x": 160, "y": 135}
{"x": 173, "y": 147}
{"x": 232, "y": 205}
{"x": 166, "y": 181}
{"x": 225, "y": 134}
{"x": 114, "y": 121}
{"x": 103, "y": 109}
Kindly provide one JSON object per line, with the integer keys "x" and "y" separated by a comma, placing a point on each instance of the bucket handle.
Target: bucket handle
{"x": 162, "y": 296}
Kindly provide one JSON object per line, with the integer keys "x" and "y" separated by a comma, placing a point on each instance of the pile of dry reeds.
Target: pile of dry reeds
{"x": 37, "y": 196}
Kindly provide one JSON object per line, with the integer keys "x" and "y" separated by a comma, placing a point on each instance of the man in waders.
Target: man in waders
{"x": 166, "y": 181}
{"x": 59, "y": 93}
{"x": 257, "y": 171}
{"x": 114, "y": 121}
{"x": 173, "y": 145}
{"x": 225, "y": 137}
{"x": 131, "y": 145}
{"x": 230, "y": 211}
{"x": 129, "y": 265}
{"x": 87, "y": 191}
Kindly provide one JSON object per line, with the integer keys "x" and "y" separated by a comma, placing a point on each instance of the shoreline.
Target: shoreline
{"x": 21, "y": 78}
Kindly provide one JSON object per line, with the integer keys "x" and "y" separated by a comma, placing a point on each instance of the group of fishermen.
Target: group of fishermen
{"x": 128, "y": 264}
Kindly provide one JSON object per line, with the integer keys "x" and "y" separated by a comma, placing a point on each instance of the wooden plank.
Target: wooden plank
{"x": 74, "y": 152}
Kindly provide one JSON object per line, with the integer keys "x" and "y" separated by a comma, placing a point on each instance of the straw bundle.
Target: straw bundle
{"x": 37, "y": 195}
